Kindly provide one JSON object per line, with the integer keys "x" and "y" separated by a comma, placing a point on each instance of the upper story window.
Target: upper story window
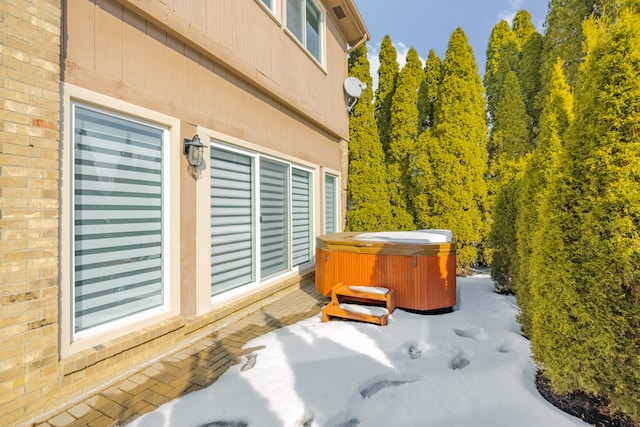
{"x": 304, "y": 20}
{"x": 270, "y": 4}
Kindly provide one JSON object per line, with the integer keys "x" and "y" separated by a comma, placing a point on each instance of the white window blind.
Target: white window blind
{"x": 232, "y": 225}
{"x": 118, "y": 230}
{"x": 261, "y": 217}
{"x": 330, "y": 213}
{"x": 273, "y": 218}
{"x": 301, "y": 216}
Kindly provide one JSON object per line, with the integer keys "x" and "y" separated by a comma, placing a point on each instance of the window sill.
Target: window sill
{"x": 118, "y": 348}
{"x": 304, "y": 49}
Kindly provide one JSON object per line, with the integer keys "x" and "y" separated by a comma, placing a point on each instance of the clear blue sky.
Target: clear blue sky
{"x": 428, "y": 24}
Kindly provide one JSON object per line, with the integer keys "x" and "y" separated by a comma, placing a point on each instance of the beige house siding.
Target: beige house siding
{"x": 227, "y": 69}
{"x": 222, "y": 76}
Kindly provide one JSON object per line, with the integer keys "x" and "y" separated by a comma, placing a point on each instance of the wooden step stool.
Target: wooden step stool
{"x": 344, "y": 301}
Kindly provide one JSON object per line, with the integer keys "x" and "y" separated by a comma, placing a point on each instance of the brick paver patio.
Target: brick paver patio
{"x": 192, "y": 368}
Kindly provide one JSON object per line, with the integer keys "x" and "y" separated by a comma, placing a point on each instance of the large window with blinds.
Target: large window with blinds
{"x": 330, "y": 204}
{"x": 117, "y": 215}
{"x": 274, "y": 221}
{"x": 301, "y": 216}
{"x": 261, "y": 217}
{"x": 232, "y": 220}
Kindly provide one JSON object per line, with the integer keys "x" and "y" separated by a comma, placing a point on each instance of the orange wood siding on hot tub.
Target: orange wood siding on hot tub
{"x": 423, "y": 274}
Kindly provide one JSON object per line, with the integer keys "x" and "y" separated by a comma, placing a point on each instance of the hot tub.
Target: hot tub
{"x": 419, "y": 265}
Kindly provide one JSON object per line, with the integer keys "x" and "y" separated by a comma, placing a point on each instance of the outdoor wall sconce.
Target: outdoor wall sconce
{"x": 193, "y": 150}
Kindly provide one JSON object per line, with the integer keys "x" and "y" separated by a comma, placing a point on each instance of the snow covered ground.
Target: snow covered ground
{"x": 467, "y": 368}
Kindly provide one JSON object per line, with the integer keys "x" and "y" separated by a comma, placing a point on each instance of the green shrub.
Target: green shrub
{"x": 586, "y": 259}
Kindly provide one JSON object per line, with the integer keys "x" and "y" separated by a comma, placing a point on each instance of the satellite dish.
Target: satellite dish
{"x": 354, "y": 88}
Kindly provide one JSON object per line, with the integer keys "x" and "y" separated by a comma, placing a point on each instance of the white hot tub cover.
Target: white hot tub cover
{"x": 407, "y": 237}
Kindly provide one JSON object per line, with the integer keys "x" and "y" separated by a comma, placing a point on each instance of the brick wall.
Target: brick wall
{"x": 29, "y": 173}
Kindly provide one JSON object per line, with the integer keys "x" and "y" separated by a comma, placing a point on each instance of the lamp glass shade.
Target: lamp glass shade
{"x": 193, "y": 150}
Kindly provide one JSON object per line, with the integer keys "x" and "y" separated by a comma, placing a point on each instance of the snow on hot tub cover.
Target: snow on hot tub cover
{"x": 415, "y": 237}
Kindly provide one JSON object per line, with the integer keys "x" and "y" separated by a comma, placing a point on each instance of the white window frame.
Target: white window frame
{"x": 311, "y": 231}
{"x": 291, "y": 164}
{"x": 287, "y": 207}
{"x": 273, "y": 10}
{"x": 205, "y": 205}
{"x": 336, "y": 200}
{"x": 72, "y": 342}
{"x": 204, "y": 297}
{"x": 320, "y": 59}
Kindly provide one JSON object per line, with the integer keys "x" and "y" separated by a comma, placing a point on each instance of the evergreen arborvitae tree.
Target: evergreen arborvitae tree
{"x": 611, "y": 7}
{"x": 586, "y": 260}
{"x": 422, "y": 178}
{"x": 529, "y": 74}
{"x": 522, "y": 27}
{"x": 368, "y": 195}
{"x": 556, "y": 117}
{"x": 403, "y": 132}
{"x": 511, "y": 134}
{"x": 424, "y": 182}
{"x": 458, "y": 155}
{"x": 511, "y": 140}
{"x": 387, "y": 78}
{"x": 528, "y": 69}
{"x": 429, "y": 90}
{"x": 502, "y": 57}
{"x": 563, "y": 39}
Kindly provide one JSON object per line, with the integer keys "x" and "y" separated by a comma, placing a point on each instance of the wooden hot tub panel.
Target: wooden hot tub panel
{"x": 422, "y": 282}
